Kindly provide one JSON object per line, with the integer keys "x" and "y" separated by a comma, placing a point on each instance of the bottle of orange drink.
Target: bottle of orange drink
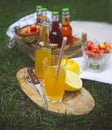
{"x": 66, "y": 29}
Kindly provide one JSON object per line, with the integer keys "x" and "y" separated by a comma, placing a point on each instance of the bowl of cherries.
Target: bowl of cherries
{"x": 96, "y": 54}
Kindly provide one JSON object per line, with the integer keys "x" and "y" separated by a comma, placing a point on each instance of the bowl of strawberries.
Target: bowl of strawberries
{"x": 96, "y": 54}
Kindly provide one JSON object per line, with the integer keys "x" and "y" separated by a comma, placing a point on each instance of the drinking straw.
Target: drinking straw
{"x": 61, "y": 54}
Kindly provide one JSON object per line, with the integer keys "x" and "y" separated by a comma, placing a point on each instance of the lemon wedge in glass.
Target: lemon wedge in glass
{"x": 73, "y": 82}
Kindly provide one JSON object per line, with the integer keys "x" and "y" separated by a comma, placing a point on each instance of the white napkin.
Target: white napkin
{"x": 103, "y": 74}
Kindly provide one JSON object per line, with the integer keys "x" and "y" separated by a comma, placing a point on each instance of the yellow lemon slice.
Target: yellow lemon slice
{"x": 73, "y": 82}
{"x": 72, "y": 65}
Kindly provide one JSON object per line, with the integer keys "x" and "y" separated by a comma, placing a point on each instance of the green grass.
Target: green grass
{"x": 17, "y": 111}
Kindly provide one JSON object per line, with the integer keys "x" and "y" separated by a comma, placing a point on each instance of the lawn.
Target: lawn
{"x": 17, "y": 111}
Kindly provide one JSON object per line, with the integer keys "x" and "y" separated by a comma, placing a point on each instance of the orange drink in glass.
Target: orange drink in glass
{"x": 39, "y": 56}
{"x": 54, "y": 83}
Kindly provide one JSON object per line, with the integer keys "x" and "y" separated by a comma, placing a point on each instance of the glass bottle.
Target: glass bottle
{"x": 41, "y": 52}
{"x": 55, "y": 35}
{"x": 39, "y": 14}
{"x": 43, "y": 47}
{"x": 45, "y": 27}
{"x": 66, "y": 29}
{"x": 44, "y": 14}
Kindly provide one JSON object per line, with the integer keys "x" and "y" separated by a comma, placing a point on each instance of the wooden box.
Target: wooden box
{"x": 70, "y": 51}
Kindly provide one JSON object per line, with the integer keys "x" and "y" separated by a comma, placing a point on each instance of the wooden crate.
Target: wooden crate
{"x": 70, "y": 51}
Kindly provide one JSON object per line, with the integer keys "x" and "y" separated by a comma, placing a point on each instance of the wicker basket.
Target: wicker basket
{"x": 28, "y": 38}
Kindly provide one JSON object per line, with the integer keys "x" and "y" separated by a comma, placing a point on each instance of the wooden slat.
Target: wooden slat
{"x": 72, "y": 50}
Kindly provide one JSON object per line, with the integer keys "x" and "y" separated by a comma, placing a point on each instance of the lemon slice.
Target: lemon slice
{"x": 72, "y": 65}
{"x": 73, "y": 82}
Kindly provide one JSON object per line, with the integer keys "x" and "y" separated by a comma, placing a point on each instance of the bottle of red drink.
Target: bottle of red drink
{"x": 66, "y": 29}
{"x": 55, "y": 35}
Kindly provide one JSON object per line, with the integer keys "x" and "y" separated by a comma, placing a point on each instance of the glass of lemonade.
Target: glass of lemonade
{"x": 39, "y": 56}
{"x": 54, "y": 83}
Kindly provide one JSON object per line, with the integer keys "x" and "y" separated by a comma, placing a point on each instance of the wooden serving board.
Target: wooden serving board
{"x": 74, "y": 103}
{"x": 72, "y": 50}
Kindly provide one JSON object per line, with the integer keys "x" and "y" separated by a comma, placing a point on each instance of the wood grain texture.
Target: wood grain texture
{"x": 74, "y": 103}
{"x": 70, "y": 51}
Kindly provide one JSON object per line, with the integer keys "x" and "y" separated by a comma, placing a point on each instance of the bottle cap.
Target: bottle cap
{"x": 38, "y": 7}
{"x": 44, "y": 9}
{"x": 65, "y": 10}
{"x": 55, "y": 13}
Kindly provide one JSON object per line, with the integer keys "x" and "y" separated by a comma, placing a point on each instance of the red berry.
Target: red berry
{"x": 33, "y": 28}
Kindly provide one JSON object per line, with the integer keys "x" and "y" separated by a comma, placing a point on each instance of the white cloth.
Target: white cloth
{"x": 103, "y": 75}
{"x": 27, "y": 20}
{"x": 96, "y": 31}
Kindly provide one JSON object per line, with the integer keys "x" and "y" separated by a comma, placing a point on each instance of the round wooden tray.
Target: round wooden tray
{"x": 74, "y": 103}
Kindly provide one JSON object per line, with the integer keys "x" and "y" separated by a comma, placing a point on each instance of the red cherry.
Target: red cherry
{"x": 101, "y": 48}
{"x": 89, "y": 43}
{"x": 33, "y": 28}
